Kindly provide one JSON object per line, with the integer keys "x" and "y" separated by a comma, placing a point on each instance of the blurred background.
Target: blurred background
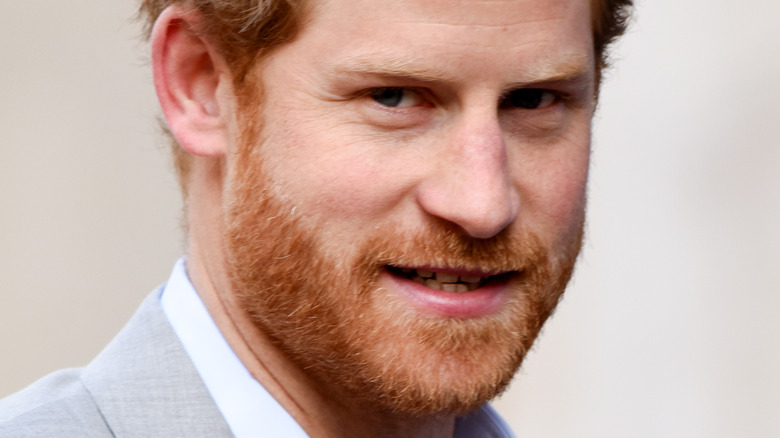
{"x": 668, "y": 330}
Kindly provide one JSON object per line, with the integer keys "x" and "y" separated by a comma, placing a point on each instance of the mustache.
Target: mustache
{"x": 445, "y": 246}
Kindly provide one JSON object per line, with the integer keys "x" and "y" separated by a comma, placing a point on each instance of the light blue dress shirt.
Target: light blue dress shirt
{"x": 247, "y": 407}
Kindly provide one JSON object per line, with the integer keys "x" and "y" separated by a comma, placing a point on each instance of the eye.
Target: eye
{"x": 396, "y": 97}
{"x": 528, "y": 98}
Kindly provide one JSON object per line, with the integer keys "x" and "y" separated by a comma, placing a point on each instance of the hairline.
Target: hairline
{"x": 301, "y": 12}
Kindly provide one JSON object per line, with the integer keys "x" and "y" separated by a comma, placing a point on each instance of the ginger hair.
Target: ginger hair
{"x": 244, "y": 30}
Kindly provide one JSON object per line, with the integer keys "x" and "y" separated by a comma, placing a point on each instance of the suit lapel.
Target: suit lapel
{"x": 145, "y": 384}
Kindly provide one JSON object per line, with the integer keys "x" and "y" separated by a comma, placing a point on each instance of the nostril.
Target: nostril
{"x": 487, "y": 224}
{"x": 479, "y": 211}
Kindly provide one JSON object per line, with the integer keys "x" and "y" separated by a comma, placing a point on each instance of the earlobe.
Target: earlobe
{"x": 189, "y": 76}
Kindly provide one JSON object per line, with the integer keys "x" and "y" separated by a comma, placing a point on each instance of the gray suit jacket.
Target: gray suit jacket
{"x": 142, "y": 385}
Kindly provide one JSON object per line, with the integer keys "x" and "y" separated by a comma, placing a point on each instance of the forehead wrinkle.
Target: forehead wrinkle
{"x": 491, "y": 13}
{"x": 472, "y": 23}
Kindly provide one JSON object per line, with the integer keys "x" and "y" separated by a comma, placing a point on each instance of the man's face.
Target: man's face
{"x": 405, "y": 201}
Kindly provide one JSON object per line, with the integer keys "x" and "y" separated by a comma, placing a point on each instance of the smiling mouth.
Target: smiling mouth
{"x": 447, "y": 281}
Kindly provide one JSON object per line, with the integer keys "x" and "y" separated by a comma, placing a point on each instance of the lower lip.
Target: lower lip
{"x": 486, "y": 300}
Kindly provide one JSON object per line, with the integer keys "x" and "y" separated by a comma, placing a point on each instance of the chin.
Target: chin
{"x": 346, "y": 317}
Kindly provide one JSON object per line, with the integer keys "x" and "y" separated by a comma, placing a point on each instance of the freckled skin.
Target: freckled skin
{"x": 337, "y": 185}
{"x": 460, "y": 150}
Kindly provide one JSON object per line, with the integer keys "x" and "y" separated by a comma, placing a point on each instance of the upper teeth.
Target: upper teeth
{"x": 443, "y": 281}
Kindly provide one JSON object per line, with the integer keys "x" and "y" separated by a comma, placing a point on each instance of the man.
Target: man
{"x": 384, "y": 201}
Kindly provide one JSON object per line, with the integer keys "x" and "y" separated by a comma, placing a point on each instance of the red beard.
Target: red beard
{"x": 325, "y": 310}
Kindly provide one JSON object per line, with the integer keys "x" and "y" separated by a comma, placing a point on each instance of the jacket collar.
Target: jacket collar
{"x": 144, "y": 384}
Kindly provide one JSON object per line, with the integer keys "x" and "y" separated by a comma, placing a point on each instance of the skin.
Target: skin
{"x": 448, "y": 153}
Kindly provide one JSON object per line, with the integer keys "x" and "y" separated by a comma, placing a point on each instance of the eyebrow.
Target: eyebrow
{"x": 395, "y": 66}
{"x": 567, "y": 67}
{"x": 563, "y": 68}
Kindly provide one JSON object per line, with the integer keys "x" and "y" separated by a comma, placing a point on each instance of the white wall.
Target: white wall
{"x": 88, "y": 209}
{"x": 668, "y": 330}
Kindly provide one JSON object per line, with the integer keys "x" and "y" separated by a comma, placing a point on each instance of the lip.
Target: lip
{"x": 469, "y": 272}
{"x": 487, "y": 300}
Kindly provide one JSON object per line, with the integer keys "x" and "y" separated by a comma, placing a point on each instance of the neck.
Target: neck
{"x": 320, "y": 411}
{"x": 316, "y": 409}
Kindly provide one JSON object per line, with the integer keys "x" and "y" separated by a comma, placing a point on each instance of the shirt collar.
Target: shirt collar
{"x": 242, "y": 400}
{"x": 246, "y": 405}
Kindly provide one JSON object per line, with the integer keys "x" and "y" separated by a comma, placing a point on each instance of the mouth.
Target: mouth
{"x": 448, "y": 280}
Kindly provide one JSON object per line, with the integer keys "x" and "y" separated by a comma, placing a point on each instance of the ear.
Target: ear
{"x": 190, "y": 78}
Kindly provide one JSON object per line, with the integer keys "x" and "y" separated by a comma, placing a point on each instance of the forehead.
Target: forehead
{"x": 449, "y": 36}
{"x": 488, "y": 13}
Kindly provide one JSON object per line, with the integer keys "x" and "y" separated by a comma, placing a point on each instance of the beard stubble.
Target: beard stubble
{"x": 323, "y": 307}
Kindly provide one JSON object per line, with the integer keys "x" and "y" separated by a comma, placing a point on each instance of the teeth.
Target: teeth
{"x": 425, "y": 274}
{"x": 443, "y": 281}
{"x": 447, "y": 278}
{"x": 433, "y": 284}
{"x": 449, "y": 287}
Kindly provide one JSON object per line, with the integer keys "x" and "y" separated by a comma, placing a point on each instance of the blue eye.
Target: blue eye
{"x": 528, "y": 98}
{"x": 395, "y": 97}
{"x": 388, "y": 96}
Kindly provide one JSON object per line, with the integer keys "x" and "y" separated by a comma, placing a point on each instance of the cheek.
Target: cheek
{"x": 340, "y": 182}
{"x": 567, "y": 199}
{"x": 553, "y": 192}
{"x": 348, "y": 188}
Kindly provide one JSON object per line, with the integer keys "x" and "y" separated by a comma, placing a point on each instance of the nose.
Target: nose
{"x": 471, "y": 184}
